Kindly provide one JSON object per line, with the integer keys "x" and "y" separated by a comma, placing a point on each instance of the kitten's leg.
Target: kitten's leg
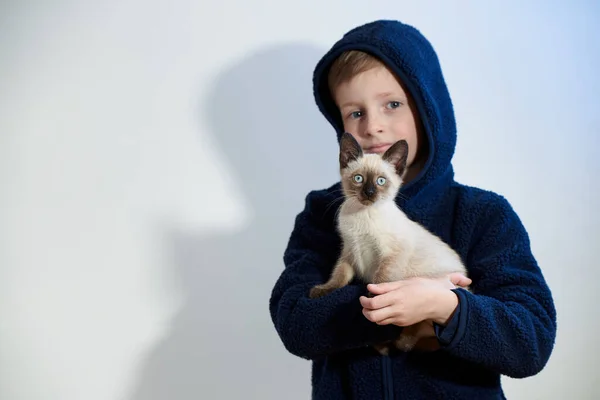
{"x": 428, "y": 344}
{"x": 385, "y": 271}
{"x": 405, "y": 342}
{"x": 417, "y": 337}
{"x": 342, "y": 275}
{"x": 383, "y": 348}
{"x": 384, "y": 274}
{"x": 408, "y": 338}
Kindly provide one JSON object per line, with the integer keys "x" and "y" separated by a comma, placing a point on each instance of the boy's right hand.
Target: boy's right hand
{"x": 413, "y": 300}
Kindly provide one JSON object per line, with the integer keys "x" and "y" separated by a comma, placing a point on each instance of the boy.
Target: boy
{"x": 382, "y": 82}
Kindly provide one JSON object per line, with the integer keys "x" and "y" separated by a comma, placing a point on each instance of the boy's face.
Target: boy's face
{"x": 376, "y": 110}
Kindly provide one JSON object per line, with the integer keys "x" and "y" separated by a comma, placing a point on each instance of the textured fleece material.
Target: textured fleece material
{"x": 505, "y": 326}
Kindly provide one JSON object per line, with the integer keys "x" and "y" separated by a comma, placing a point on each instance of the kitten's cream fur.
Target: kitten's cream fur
{"x": 380, "y": 243}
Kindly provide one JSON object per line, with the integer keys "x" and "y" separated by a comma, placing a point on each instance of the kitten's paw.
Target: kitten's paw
{"x": 405, "y": 344}
{"x": 319, "y": 291}
{"x": 412, "y": 343}
{"x": 383, "y": 349}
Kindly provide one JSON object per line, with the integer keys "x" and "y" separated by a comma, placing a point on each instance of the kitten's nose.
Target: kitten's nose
{"x": 369, "y": 191}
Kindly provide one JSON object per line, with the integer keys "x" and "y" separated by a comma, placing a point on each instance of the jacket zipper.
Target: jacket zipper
{"x": 388, "y": 381}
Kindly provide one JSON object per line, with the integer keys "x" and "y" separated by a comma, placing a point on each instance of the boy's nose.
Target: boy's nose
{"x": 373, "y": 126}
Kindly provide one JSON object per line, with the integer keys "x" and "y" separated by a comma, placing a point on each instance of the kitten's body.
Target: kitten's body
{"x": 380, "y": 233}
{"x": 380, "y": 243}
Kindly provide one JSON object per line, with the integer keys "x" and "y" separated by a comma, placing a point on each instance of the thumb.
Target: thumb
{"x": 459, "y": 279}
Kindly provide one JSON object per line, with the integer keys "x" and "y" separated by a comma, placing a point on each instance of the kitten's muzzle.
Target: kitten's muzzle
{"x": 369, "y": 191}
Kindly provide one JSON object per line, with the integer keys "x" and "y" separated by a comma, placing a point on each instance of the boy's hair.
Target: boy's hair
{"x": 348, "y": 65}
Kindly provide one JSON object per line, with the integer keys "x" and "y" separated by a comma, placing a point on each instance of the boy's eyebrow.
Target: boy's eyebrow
{"x": 399, "y": 95}
{"x": 379, "y": 95}
{"x": 349, "y": 104}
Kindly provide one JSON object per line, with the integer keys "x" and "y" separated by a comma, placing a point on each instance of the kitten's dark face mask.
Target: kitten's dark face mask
{"x": 368, "y": 186}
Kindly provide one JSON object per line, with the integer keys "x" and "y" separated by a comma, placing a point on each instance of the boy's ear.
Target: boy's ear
{"x": 397, "y": 156}
{"x": 349, "y": 150}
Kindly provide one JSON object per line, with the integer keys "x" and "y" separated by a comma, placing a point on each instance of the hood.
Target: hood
{"x": 412, "y": 58}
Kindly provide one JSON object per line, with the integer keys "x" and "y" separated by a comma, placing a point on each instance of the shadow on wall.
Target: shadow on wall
{"x": 222, "y": 343}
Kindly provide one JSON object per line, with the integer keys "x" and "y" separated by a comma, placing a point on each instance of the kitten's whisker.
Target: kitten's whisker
{"x": 403, "y": 197}
{"x": 337, "y": 212}
{"x": 332, "y": 203}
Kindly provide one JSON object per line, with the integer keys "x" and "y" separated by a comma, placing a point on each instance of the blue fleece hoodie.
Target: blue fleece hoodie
{"x": 505, "y": 326}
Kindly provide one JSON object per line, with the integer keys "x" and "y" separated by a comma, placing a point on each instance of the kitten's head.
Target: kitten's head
{"x": 371, "y": 178}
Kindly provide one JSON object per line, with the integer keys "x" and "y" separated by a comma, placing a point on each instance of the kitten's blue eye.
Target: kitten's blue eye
{"x": 358, "y": 178}
{"x": 381, "y": 181}
{"x": 393, "y": 104}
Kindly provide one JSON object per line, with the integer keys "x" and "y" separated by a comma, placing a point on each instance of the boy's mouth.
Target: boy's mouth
{"x": 378, "y": 148}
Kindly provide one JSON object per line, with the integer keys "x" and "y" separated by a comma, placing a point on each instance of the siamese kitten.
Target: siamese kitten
{"x": 380, "y": 243}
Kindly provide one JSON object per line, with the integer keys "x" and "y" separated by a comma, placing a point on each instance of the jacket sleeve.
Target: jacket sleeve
{"x": 508, "y": 321}
{"x": 314, "y": 328}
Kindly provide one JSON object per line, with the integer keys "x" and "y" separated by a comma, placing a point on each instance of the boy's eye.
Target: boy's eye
{"x": 381, "y": 181}
{"x": 356, "y": 114}
{"x": 394, "y": 104}
{"x": 358, "y": 178}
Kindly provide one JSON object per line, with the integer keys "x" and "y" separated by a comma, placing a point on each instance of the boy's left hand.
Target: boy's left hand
{"x": 413, "y": 300}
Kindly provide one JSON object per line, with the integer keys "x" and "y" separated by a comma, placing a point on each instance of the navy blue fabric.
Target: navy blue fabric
{"x": 505, "y": 326}
{"x": 445, "y": 334}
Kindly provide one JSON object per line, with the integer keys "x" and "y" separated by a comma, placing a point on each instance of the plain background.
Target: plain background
{"x": 154, "y": 154}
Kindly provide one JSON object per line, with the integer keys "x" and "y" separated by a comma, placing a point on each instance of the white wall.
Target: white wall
{"x": 138, "y": 245}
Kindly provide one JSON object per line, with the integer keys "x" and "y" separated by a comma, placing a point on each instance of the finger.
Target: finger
{"x": 382, "y": 288}
{"x": 393, "y": 319}
{"x": 365, "y": 302}
{"x": 379, "y": 301}
{"x": 459, "y": 279}
{"x": 387, "y": 321}
{"x": 378, "y": 315}
{"x": 396, "y": 320}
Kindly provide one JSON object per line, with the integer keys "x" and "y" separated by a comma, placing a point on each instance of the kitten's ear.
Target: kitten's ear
{"x": 397, "y": 156}
{"x": 349, "y": 150}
